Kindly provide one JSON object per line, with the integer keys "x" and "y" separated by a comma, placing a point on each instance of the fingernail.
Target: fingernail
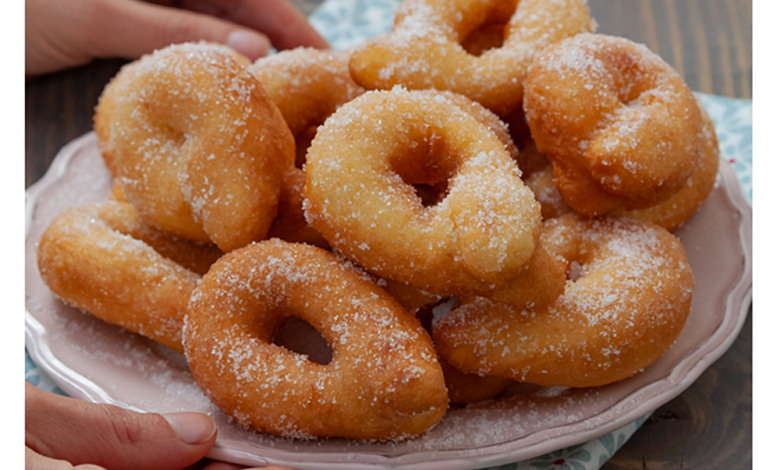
{"x": 192, "y": 428}
{"x": 248, "y": 43}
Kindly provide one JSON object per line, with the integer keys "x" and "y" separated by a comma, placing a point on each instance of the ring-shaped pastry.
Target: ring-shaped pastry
{"x": 384, "y": 381}
{"x": 105, "y": 260}
{"x": 199, "y": 147}
{"x": 619, "y": 125}
{"x": 627, "y": 302}
{"x": 424, "y": 48}
{"x": 669, "y": 214}
{"x": 361, "y": 199}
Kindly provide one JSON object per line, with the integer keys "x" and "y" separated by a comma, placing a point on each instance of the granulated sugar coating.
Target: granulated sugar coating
{"x": 625, "y": 309}
{"x": 670, "y": 213}
{"x": 619, "y": 125}
{"x": 424, "y": 48}
{"x": 103, "y": 259}
{"x": 198, "y": 145}
{"x": 306, "y": 84}
{"x": 359, "y": 176}
{"x": 383, "y": 383}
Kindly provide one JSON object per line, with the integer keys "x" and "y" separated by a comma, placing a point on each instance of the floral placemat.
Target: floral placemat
{"x": 346, "y": 23}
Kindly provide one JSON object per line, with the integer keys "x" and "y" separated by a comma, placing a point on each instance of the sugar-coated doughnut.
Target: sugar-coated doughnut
{"x": 627, "y": 301}
{"x": 361, "y": 199}
{"x": 669, "y": 214}
{"x": 424, "y": 48}
{"x": 105, "y": 260}
{"x": 104, "y": 111}
{"x": 384, "y": 381}
{"x": 619, "y": 125}
{"x": 307, "y": 84}
{"x": 199, "y": 147}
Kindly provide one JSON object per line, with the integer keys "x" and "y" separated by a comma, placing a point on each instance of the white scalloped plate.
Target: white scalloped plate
{"x": 95, "y": 361}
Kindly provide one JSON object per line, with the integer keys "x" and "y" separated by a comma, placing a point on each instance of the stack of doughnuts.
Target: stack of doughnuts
{"x": 495, "y": 157}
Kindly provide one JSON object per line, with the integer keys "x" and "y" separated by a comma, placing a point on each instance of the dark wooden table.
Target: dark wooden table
{"x": 710, "y": 43}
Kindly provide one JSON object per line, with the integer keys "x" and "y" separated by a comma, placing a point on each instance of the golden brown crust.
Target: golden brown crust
{"x": 628, "y": 301}
{"x": 618, "y": 124}
{"x": 384, "y": 381}
{"x": 307, "y": 85}
{"x": 290, "y": 223}
{"x": 471, "y": 388}
{"x": 105, "y": 260}
{"x": 360, "y": 194}
{"x": 673, "y": 212}
{"x": 541, "y": 280}
{"x": 104, "y": 113}
{"x": 424, "y": 51}
{"x": 199, "y": 147}
{"x": 669, "y": 214}
{"x": 410, "y": 297}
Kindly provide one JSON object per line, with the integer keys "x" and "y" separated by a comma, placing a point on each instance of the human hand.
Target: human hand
{"x": 65, "y": 33}
{"x": 61, "y": 432}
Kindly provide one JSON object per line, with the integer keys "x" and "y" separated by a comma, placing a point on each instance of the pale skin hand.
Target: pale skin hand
{"x": 64, "y": 433}
{"x": 66, "y": 33}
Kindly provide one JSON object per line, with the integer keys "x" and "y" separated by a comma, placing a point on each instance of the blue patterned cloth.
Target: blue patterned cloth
{"x": 347, "y": 23}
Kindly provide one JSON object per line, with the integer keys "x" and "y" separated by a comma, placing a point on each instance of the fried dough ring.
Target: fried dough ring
{"x": 424, "y": 48}
{"x": 383, "y": 382}
{"x": 199, "y": 148}
{"x": 669, "y": 214}
{"x": 360, "y": 196}
{"x": 105, "y": 260}
{"x": 619, "y": 125}
{"x": 104, "y": 111}
{"x": 626, "y": 308}
{"x": 307, "y": 85}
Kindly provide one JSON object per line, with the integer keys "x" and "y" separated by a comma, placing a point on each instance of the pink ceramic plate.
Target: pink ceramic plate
{"x": 102, "y": 363}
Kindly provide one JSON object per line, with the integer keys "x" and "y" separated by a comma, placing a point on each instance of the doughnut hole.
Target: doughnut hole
{"x": 488, "y": 33}
{"x": 487, "y": 36}
{"x": 302, "y": 144}
{"x": 426, "y": 167}
{"x": 297, "y": 335}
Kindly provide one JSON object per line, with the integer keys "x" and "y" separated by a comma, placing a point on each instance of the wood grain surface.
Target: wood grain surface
{"x": 710, "y": 43}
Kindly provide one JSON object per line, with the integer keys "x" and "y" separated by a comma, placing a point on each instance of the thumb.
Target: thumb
{"x": 131, "y": 29}
{"x": 113, "y": 437}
